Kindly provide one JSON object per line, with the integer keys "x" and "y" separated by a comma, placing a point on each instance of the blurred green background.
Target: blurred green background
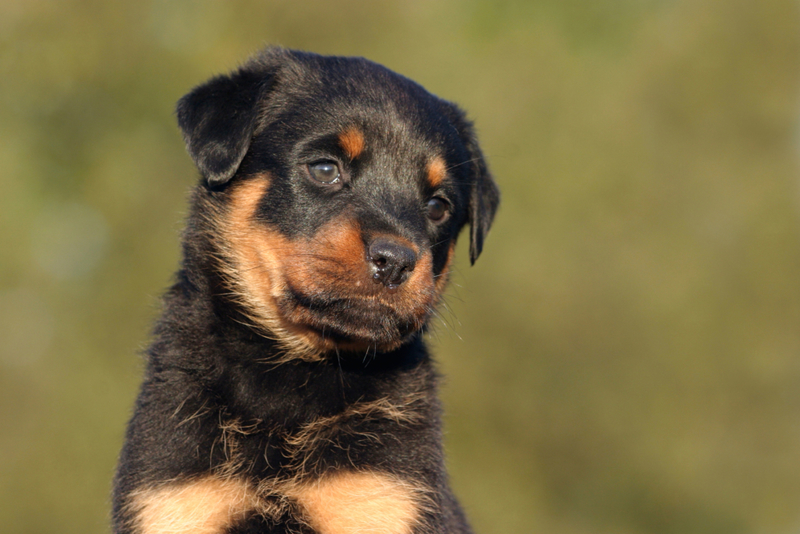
{"x": 625, "y": 356}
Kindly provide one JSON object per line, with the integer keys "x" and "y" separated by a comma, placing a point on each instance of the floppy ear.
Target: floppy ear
{"x": 483, "y": 202}
{"x": 218, "y": 120}
{"x": 484, "y": 196}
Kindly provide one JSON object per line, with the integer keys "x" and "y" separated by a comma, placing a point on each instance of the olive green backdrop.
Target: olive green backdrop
{"x": 624, "y": 357}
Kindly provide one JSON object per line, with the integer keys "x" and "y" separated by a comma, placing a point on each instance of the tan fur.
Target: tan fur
{"x": 437, "y": 172}
{"x": 352, "y": 142}
{"x": 355, "y": 502}
{"x": 207, "y": 505}
{"x": 337, "y": 252}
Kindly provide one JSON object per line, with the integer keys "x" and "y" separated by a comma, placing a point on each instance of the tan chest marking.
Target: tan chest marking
{"x": 360, "y": 502}
{"x": 202, "y": 506}
{"x": 346, "y": 502}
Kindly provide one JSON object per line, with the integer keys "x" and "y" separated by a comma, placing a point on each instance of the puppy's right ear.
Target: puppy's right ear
{"x": 218, "y": 120}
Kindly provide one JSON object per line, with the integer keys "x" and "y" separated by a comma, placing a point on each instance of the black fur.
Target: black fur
{"x": 214, "y": 378}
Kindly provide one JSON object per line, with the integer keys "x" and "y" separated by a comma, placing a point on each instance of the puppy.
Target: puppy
{"x": 288, "y": 388}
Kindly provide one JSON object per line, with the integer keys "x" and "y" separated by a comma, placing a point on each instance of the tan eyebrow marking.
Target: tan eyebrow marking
{"x": 437, "y": 171}
{"x": 352, "y": 142}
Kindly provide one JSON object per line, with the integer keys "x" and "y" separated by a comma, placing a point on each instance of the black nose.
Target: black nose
{"x": 392, "y": 262}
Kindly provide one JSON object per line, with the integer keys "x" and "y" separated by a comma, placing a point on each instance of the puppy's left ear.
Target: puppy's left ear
{"x": 218, "y": 120}
{"x": 484, "y": 196}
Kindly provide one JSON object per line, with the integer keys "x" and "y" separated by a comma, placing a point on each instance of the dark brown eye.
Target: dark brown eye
{"x": 437, "y": 209}
{"x": 325, "y": 172}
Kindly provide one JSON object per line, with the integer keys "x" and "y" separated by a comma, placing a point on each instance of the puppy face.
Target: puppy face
{"x": 334, "y": 191}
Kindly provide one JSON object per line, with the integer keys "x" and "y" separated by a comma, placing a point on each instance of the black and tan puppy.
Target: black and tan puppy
{"x": 288, "y": 388}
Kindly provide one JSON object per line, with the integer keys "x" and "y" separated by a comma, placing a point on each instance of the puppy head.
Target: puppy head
{"x": 333, "y": 193}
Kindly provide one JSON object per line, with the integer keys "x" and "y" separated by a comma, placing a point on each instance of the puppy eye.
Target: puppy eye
{"x": 325, "y": 172}
{"x": 437, "y": 209}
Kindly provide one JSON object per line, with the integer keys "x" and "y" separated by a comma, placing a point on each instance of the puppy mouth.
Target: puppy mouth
{"x": 350, "y": 321}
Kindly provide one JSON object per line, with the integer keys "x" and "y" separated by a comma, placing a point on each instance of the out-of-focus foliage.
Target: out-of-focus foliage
{"x": 624, "y": 357}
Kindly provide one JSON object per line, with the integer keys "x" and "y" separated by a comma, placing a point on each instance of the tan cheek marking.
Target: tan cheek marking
{"x": 253, "y": 265}
{"x": 206, "y": 506}
{"x": 255, "y": 250}
{"x": 358, "y": 502}
{"x": 422, "y": 277}
{"x": 346, "y": 242}
{"x": 335, "y": 254}
{"x": 352, "y": 142}
{"x": 437, "y": 171}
